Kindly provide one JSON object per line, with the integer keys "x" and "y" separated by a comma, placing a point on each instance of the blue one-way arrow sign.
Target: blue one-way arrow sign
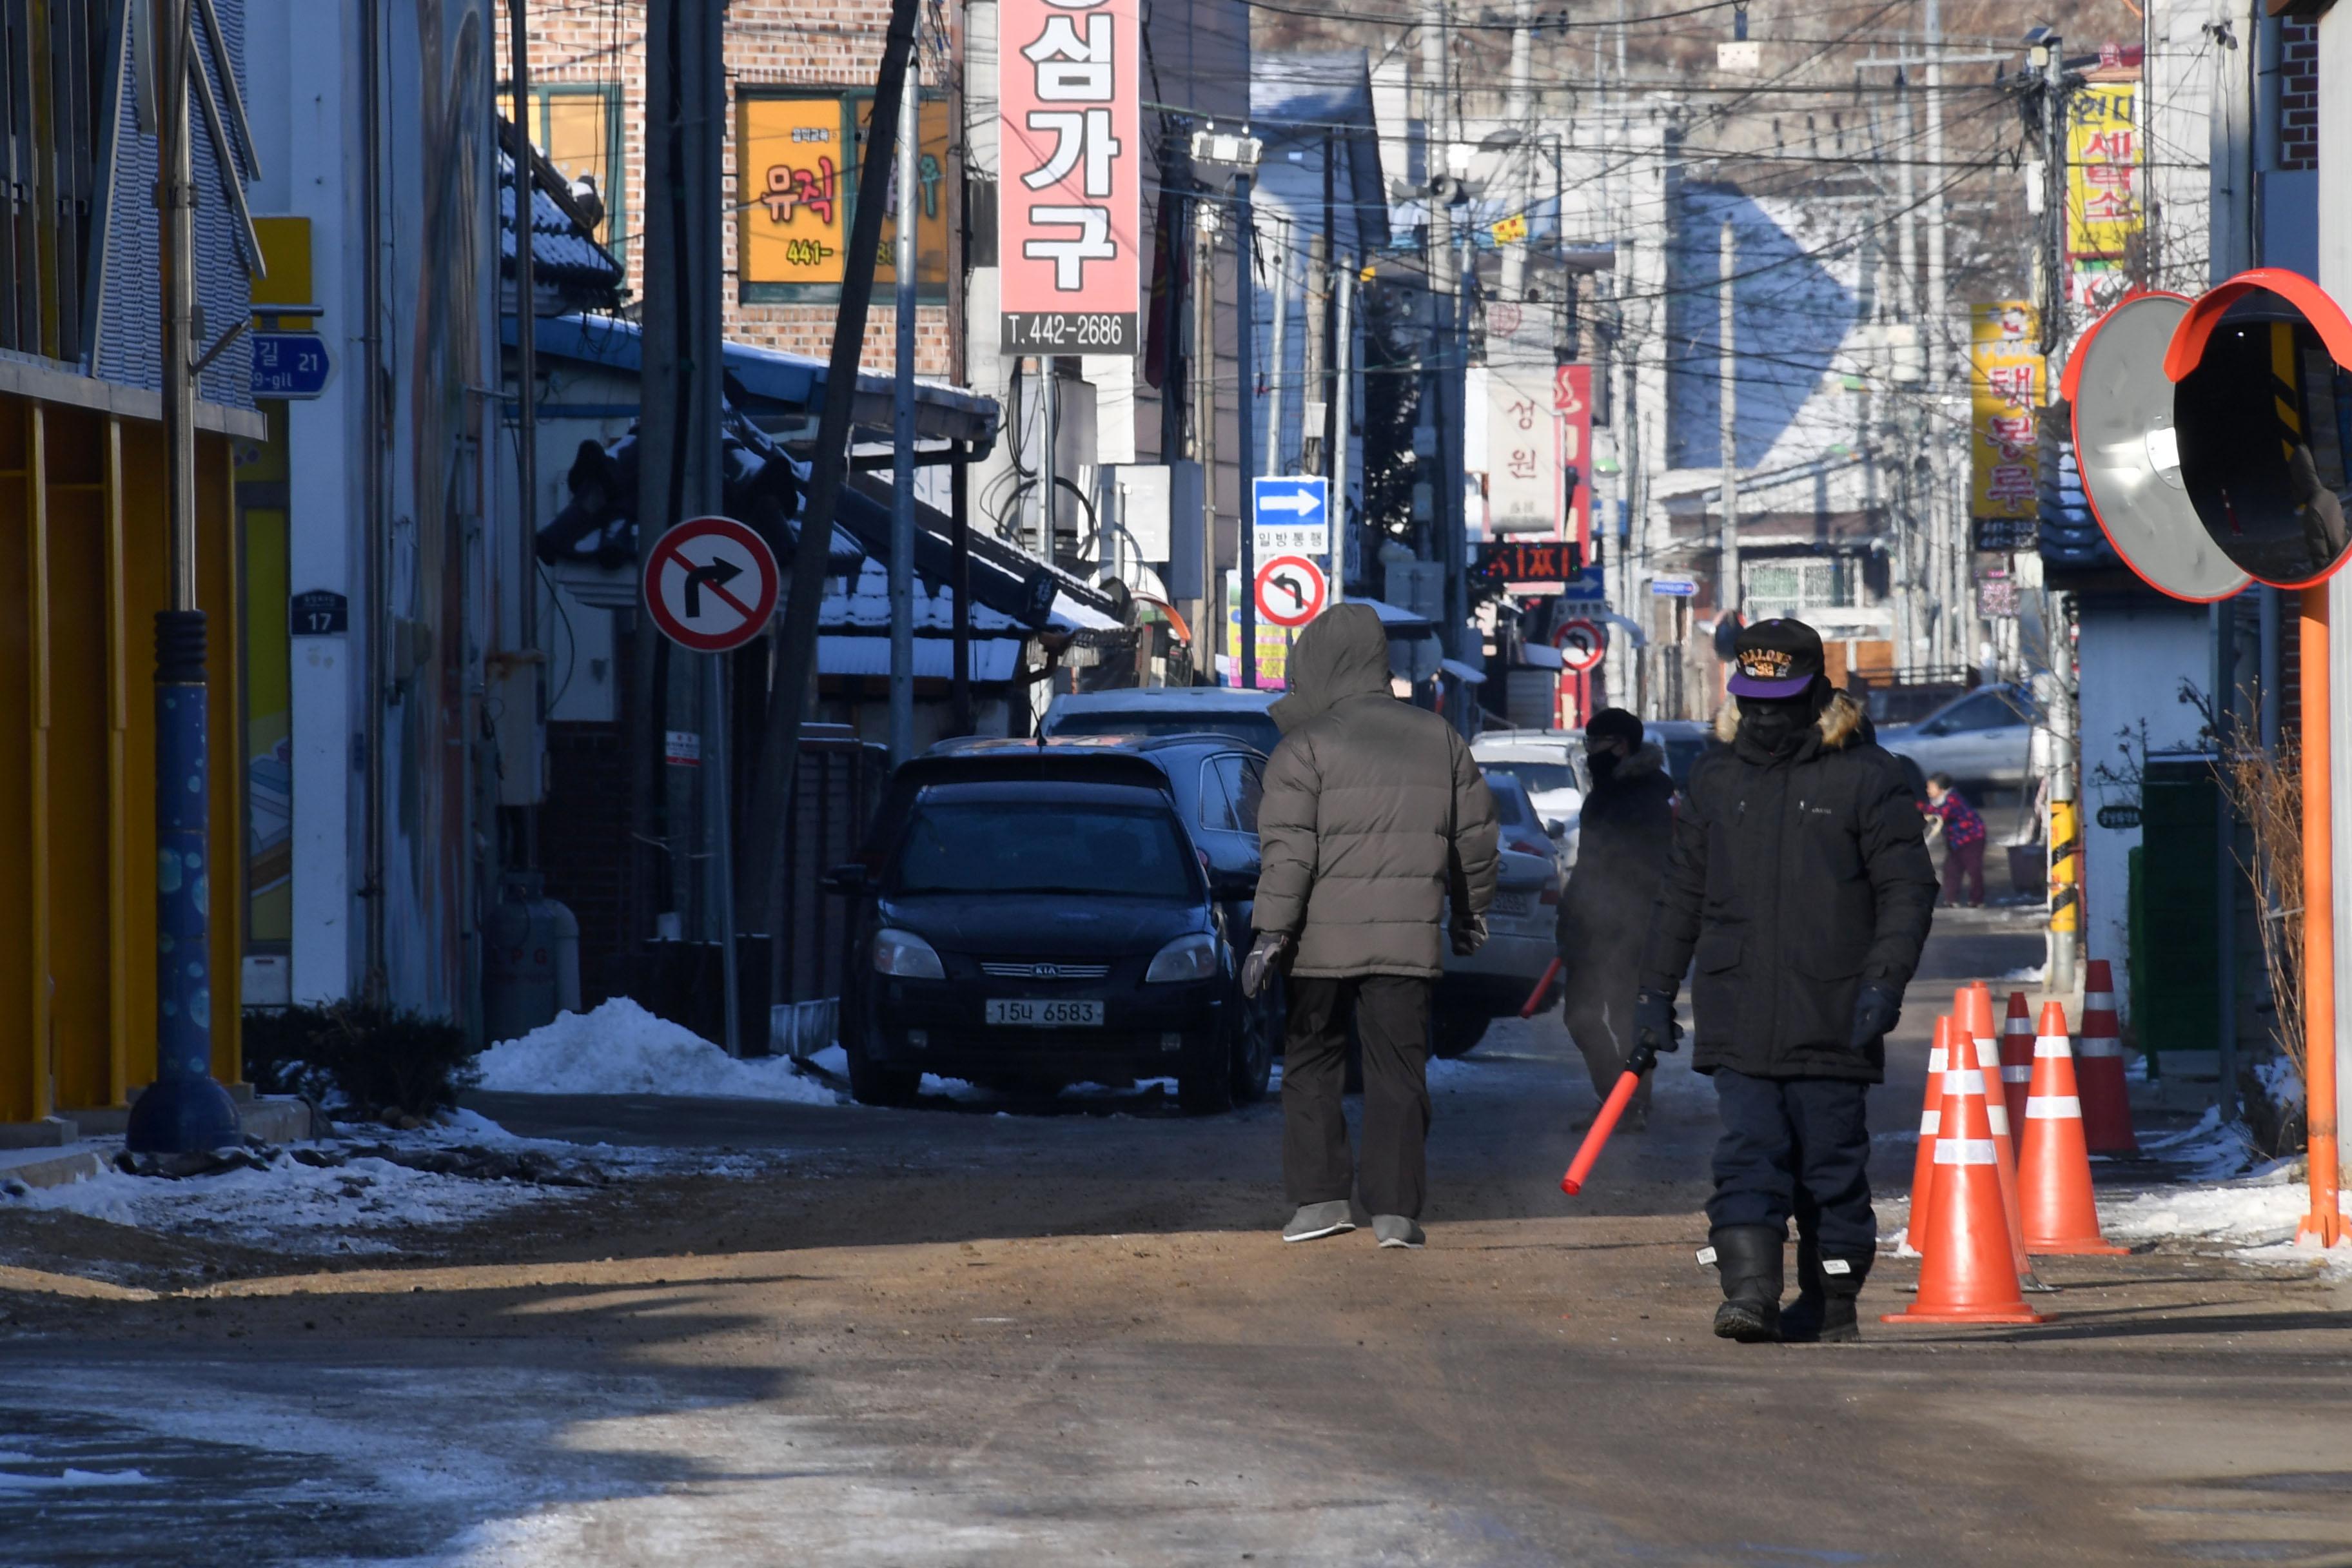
{"x": 1290, "y": 514}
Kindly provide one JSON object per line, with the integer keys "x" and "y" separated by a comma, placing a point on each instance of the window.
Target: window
{"x": 796, "y": 157}
{"x": 1045, "y": 846}
{"x": 577, "y": 125}
{"x": 1795, "y": 585}
{"x": 1216, "y": 803}
{"x": 1240, "y": 784}
{"x": 1984, "y": 711}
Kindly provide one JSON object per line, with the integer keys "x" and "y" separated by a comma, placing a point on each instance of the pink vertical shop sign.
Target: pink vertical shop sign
{"x": 1070, "y": 190}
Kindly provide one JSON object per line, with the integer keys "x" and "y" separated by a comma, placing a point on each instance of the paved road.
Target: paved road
{"x": 950, "y": 1336}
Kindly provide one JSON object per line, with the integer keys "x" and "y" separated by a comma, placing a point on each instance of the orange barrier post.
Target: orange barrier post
{"x": 2017, "y": 1062}
{"x": 2324, "y": 1225}
{"x": 2099, "y": 1067}
{"x": 1969, "y": 1274}
{"x": 2053, "y": 1171}
{"x": 1973, "y": 1005}
{"x": 1543, "y": 987}
{"x": 1923, "y": 1168}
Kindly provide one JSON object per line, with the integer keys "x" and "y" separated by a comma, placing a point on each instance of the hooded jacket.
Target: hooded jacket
{"x": 1793, "y": 879}
{"x": 1623, "y": 832}
{"x": 1373, "y": 817}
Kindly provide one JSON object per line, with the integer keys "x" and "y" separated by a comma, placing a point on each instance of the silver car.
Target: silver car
{"x": 1521, "y": 930}
{"x": 1982, "y": 738}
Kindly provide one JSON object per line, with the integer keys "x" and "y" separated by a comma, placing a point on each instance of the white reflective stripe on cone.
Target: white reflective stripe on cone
{"x": 1936, "y": 1062}
{"x": 1987, "y": 1051}
{"x": 2098, "y": 1002}
{"x": 1929, "y": 1121}
{"x": 2017, "y": 1075}
{"x": 1997, "y": 1113}
{"x": 1964, "y": 1151}
{"x": 2098, "y": 1047}
{"x": 2018, "y": 1026}
{"x": 1964, "y": 1082}
{"x": 2054, "y": 1107}
{"x": 2053, "y": 1046}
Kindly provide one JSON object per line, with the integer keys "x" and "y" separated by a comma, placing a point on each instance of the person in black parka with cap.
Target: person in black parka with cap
{"x": 1799, "y": 887}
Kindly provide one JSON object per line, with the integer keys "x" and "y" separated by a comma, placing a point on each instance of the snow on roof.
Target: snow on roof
{"x": 1169, "y": 699}
{"x": 994, "y": 659}
{"x": 866, "y": 605}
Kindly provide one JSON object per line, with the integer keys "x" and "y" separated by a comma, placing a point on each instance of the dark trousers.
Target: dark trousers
{"x": 1964, "y": 861}
{"x": 1392, "y": 1017}
{"x": 1600, "y": 1015}
{"x": 1795, "y": 1147}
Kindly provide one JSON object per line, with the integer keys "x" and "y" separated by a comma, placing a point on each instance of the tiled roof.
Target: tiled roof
{"x": 563, "y": 255}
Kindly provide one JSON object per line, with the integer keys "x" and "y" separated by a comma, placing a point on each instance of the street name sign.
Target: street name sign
{"x": 290, "y": 364}
{"x": 711, "y": 584}
{"x": 1290, "y": 591}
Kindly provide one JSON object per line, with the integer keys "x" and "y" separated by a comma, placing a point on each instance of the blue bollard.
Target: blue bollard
{"x": 183, "y": 1111}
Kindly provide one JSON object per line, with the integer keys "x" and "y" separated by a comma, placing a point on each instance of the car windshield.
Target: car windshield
{"x": 1043, "y": 846}
{"x": 1511, "y": 806}
{"x": 1539, "y": 777}
{"x": 1251, "y": 729}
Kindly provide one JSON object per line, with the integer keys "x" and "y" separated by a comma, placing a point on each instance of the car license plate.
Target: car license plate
{"x": 1515, "y": 905}
{"x": 1031, "y": 1013}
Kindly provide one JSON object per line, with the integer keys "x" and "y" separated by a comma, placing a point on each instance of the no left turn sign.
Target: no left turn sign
{"x": 1582, "y": 644}
{"x": 711, "y": 584}
{"x": 1290, "y": 591}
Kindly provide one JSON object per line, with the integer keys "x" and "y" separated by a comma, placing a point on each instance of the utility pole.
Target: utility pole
{"x": 1519, "y": 112}
{"x": 527, "y": 401}
{"x": 1210, "y": 614}
{"x": 1728, "y": 587}
{"x": 184, "y": 1110}
{"x": 1245, "y": 315}
{"x": 795, "y": 666}
{"x": 1278, "y": 357}
{"x": 1445, "y": 330}
{"x": 1315, "y": 394}
{"x": 678, "y": 447}
{"x": 1953, "y": 542}
{"x": 902, "y": 433}
{"x": 1342, "y": 419}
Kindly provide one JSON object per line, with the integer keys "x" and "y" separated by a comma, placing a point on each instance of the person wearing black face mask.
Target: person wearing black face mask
{"x": 1800, "y": 884}
{"x": 1626, "y": 823}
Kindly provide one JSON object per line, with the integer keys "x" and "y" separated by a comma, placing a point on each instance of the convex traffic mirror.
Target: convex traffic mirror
{"x": 2261, "y": 368}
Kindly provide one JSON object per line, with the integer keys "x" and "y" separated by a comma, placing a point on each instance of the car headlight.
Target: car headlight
{"x": 906, "y": 955}
{"x": 1191, "y": 957}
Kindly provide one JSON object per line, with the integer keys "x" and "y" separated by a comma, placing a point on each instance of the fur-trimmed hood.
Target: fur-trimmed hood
{"x": 1645, "y": 760}
{"x": 1840, "y": 722}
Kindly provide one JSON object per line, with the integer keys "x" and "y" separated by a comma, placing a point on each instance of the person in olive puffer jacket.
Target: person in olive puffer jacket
{"x": 1800, "y": 885}
{"x": 1374, "y": 823}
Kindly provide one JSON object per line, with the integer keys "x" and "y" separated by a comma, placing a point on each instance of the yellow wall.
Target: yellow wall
{"x": 82, "y": 571}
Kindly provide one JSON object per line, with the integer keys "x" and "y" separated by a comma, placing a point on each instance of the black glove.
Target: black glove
{"x": 1655, "y": 1029}
{"x": 1874, "y": 1012}
{"x": 1469, "y": 935}
{"x": 1269, "y": 953}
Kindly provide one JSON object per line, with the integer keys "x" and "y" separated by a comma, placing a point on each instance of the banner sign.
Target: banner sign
{"x": 1071, "y": 185}
{"x": 2005, "y": 395}
{"x": 795, "y": 225}
{"x": 1522, "y": 451}
{"x": 1572, "y": 401}
{"x": 2103, "y": 207}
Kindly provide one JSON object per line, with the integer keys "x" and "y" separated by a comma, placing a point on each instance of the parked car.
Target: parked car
{"x": 1039, "y": 913}
{"x": 1982, "y": 738}
{"x": 1685, "y": 742}
{"x": 1494, "y": 981}
{"x": 1550, "y": 764}
{"x": 1166, "y": 711}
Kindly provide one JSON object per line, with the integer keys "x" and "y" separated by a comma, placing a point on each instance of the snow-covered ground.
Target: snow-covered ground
{"x": 621, "y": 1048}
{"x": 368, "y": 1203}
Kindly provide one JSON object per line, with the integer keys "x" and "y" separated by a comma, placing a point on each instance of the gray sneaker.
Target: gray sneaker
{"x": 1315, "y": 1221}
{"x": 1395, "y": 1230}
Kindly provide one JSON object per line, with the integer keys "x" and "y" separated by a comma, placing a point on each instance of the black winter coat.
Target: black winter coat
{"x": 1623, "y": 835}
{"x": 1792, "y": 882}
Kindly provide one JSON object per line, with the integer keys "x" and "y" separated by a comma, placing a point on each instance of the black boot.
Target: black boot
{"x": 1824, "y": 1312}
{"x": 1747, "y": 1256}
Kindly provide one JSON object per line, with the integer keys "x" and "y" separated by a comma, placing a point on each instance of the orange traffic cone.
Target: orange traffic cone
{"x": 2099, "y": 1071}
{"x": 1969, "y": 1275}
{"x": 2053, "y": 1174}
{"x": 2017, "y": 1063}
{"x": 1923, "y": 1168}
{"x": 1973, "y": 1006}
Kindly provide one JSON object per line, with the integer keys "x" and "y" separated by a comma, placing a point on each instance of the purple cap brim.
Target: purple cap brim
{"x": 1750, "y": 686}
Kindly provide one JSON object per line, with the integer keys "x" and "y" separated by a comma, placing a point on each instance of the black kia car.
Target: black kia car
{"x": 1032, "y": 915}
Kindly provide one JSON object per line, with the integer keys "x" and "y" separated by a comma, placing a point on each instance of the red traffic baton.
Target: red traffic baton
{"x": 1543, "y": 987}
{"x": 1588, "y": 1154}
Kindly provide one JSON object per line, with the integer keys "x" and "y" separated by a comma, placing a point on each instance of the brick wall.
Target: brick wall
{"x": 2298, "y": 129}
{"x": 820, "y": 43}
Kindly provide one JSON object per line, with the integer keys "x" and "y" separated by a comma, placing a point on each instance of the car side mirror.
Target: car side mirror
{"x": 847, "y": 879}
{"x": 1936, "y": 727}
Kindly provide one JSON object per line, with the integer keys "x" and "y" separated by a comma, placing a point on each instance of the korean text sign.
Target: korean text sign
{"x": 1572, "y": 401}
{"x": 2103, "y": 208}
{"x": 1071, "y": 187}
{"x": 2005, "y": 393}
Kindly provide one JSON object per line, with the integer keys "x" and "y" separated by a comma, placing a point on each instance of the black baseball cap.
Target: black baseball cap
{"x": 1773, "y": 658}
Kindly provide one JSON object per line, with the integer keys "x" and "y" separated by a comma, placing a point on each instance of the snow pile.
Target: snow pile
{"x": 2256, "y": 1213}
{"x": 621, "y": 1048}
{"x": 2213, "y": 1149}
{"x": 2029, "y": 975}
